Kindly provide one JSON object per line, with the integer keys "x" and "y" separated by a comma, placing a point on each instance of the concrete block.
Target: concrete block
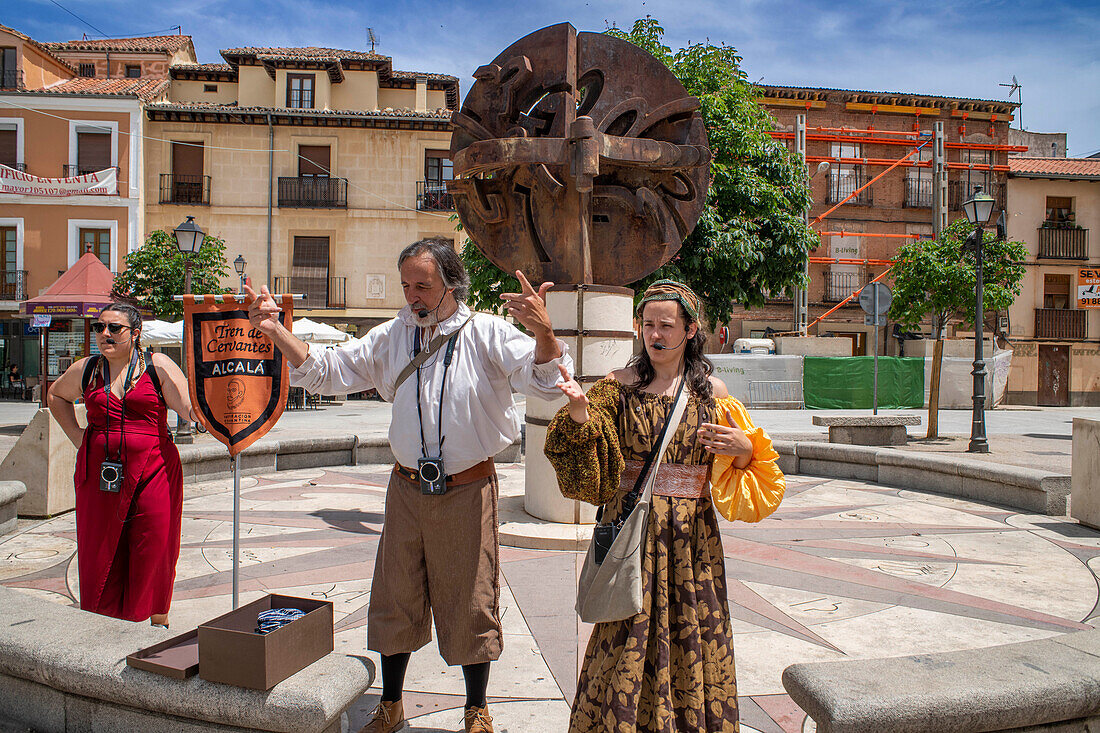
{"x": 865, "y": 421}
{"x": 32, "y": 703}
{"x": 44, "y": 460}
{"x": 788, "y": 455}
{"x": 1085, "y": 471}
{"x": 93, "y": 674}
{"x": 845, "y": 453}
{"x": 813, "y": 345}
{"x": 1053, "y": 683}
{"x": 837, "y": 469}
{"x": 211, "y": 461}
{"x": 871, "y": 435}
{"x": 10, "y": 494}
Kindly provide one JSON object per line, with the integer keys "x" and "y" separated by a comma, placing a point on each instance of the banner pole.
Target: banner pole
{"x": 236, "y": 529}
{"x": 227, "y": 297}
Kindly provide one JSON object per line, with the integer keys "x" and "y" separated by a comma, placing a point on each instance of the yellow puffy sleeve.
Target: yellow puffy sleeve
{"x": 747, "y": 494}
{"x": 586, "y": 456}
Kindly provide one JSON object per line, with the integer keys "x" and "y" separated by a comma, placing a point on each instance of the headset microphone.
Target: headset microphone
{"x": 423, "y": 312}
{"x": 662, "y": 347}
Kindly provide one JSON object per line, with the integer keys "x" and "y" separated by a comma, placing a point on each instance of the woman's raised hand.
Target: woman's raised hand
{"x": 578, "y": 401}
{"x": 264, "y": 311}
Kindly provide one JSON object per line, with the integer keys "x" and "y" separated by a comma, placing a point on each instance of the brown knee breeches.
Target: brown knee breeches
{"x": 438, "y": 556}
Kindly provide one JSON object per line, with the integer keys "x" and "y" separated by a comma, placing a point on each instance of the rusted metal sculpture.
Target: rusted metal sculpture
{"x": 579, "y": 158}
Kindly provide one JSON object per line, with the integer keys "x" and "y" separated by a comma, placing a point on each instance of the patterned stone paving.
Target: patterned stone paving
{"x": 844, "y": 569}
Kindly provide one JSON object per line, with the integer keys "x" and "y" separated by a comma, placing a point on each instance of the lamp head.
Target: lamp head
{"x": 978, "y": 207}
{"x": 189, "y": 237}
{"x": 238, "y": 264}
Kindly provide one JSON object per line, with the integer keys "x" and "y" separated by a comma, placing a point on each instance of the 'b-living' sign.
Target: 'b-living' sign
{"x": 1088, "y": 287}
{"x": 238, "y": 379}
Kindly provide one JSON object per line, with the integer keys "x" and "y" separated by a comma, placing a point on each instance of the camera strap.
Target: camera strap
{"x": 448, "y": 355}
{"x": 107, "y": 394}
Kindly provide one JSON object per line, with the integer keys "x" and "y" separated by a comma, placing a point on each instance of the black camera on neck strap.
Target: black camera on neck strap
{"x": 111, "y": 473}
{"x": 429, "y": 468}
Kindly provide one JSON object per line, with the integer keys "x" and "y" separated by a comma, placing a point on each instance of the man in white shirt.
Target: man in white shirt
{"x": 438, "y": 553}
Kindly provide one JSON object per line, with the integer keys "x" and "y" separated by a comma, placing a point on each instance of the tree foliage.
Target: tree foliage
{"x": 936, "y": 278}
{"x": 751, "y": 239}
{"x": 155, "y": 272}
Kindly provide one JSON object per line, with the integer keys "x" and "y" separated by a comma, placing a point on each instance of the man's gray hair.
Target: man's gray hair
{"x": 446, "y": 259}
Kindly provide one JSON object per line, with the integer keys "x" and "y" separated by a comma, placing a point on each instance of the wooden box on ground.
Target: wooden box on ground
{"x": 230, "y": 650}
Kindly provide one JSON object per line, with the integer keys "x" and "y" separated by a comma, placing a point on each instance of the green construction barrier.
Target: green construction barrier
{"x": 846, "y": 382}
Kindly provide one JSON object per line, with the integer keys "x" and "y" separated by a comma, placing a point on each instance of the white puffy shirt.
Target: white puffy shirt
{"x": 492, "y": 358}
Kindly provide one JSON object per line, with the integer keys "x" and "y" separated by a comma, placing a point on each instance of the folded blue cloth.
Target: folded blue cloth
{"x": 268, "y": 621}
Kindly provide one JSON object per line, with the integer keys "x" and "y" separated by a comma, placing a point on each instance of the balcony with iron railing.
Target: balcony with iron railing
{"x": 918, "y": 192}
{"x": 313, "y": 192}
{"x": 840, "y": 284}
{"x": 319, "y": 291}
{"x": 13, "y": 284}
{"x": 178, "y": 188}
{"x": 433, "y": 196}
{"x": 1061, "y": 243}
{"x": 1062, "y": 324}
{"x": 842, "y": 183}
{"x": 959, "y": 192}
{"x": 72, "y": 171}
{"x": 11, "y": 79}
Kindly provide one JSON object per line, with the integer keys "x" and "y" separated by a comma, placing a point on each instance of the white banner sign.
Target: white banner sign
{"x": 100, "y": 182}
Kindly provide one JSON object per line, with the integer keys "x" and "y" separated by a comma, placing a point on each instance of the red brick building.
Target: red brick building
{"x": 860, "y": 134}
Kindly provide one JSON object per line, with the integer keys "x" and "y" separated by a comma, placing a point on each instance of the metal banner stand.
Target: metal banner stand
{"x": 875, "y": 299}
{"x": 221, "y": 298}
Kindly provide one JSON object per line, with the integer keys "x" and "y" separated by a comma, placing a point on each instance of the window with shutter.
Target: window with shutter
{"x": 314, "y": 160}
{"x": 309, "y": 270}
{"x": 9, "y": 154}
{"x": 93, "y": 152}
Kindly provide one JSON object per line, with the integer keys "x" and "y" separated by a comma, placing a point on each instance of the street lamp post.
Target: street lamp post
{"x": 238, "y": 265}
{"x": 188, "y": 240}
{"x": 978, "y": 209}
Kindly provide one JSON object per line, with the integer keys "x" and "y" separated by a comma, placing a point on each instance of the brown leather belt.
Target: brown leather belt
{"x": 674, "y": 479}
{"x": 485, "y": 469}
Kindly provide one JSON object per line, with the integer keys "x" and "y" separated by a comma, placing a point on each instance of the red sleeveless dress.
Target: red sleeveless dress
{"x": 127, "y": 543}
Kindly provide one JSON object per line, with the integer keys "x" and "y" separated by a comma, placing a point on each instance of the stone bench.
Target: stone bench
{"x": 1049, "y": 685}
{"x": 10, "y": 494}
{"x": 1026, "y": 489}
{"x": 868, "y": 429}
{"x": 64, "y": 670}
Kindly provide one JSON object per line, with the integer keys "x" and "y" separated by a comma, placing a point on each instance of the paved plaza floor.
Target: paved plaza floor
{"x": 843, "y": 570}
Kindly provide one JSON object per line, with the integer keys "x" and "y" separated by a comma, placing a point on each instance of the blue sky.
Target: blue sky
{"x": 962, "y": 48}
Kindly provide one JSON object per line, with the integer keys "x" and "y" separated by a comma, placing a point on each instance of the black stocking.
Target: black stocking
{"x": 393, "y": 676}
{"x": 477, "y": 681}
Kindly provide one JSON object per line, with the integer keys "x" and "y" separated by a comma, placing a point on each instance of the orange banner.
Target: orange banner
{"x": 237, "y": 378}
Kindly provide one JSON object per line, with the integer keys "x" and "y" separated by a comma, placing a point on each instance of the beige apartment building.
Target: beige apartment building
{"x": 316, "y": 165}
{"x": 1054, "y": 325}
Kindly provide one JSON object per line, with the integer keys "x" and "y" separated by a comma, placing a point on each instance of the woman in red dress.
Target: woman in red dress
{"x": 127, "y": 532}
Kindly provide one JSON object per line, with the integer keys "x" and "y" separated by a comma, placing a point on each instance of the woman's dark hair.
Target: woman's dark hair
{"x": 446, "y": 259}
{"x": 697, "y": 367}
{"x": 133, "y": 316}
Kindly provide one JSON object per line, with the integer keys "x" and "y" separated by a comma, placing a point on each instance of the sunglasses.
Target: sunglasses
{"x": 114, "y": 328}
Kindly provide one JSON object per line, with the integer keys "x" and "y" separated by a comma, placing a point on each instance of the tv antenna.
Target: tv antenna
{"x": 372, "y": 37}
{"x": 1016, "y": 88}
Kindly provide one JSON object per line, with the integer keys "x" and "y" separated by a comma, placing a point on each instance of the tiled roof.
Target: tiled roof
{"x": 422, "y": 74}
{"x": 143, "y": 89}
{"x": 36, "y": 44}
{"x": 202, "y": 67}
{"x": 166, "y": 44}
{"x": 437, "y": 114}
{"x": 305, "y": 53}
{"x": 888, "y": 94}
{"x": 1081, "y": 168}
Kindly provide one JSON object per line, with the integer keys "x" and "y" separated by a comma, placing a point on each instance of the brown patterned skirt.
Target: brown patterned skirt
{"x": 670, "y": 668}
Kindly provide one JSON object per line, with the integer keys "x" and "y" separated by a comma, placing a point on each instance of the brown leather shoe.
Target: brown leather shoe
{"x": 387, "y": 718}
{"x": 478, "y": 720}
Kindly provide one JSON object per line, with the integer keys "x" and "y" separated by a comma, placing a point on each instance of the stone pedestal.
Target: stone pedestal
{"x": 596, "y": 323}
{"x": 44, "y": 459}
{"x": 1084, "y": 505}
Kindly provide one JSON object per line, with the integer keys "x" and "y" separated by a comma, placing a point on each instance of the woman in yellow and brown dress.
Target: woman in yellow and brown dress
{"x": 670, "y": 667}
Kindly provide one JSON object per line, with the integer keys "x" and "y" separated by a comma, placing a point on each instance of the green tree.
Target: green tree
{"x": 936, "y": 278}
{"x": 154, "y": 273}
{"x": 751, "y": 239}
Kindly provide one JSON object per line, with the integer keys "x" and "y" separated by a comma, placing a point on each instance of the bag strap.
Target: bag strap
{"x": 656, "y": 452}
{"x": 423, "y": 356}
{"x": 89, "y": 372}
{"x": 152, "y": 372}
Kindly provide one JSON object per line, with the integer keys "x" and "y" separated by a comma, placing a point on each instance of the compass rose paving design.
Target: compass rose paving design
{"x": 843, "y": 570}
